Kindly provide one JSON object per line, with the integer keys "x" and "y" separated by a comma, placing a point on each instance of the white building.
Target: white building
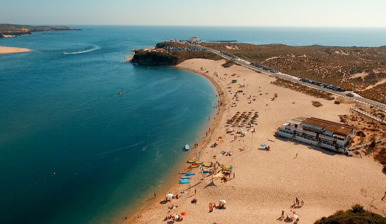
{"x": 318, "y": 132}
{"x": 194, "y": 40}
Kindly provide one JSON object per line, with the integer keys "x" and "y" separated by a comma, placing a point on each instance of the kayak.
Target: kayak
{"x": 185, "y": 177}
{"x": 182, "y": 181}
{"x": 189, "y": 174}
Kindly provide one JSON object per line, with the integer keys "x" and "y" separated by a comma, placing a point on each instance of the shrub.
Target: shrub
{"x": 317, "y": 104}
{"x": 355, "y": 215}
{"x": 227, "y": 64}
{"x": 358, "y": 208}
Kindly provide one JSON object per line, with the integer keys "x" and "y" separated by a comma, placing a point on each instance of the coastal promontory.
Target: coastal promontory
{"x": 13, "y": 30}
{"x": 170, "y": 53}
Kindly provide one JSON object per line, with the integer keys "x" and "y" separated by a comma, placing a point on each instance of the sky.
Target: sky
{"x": 298, "y": 13}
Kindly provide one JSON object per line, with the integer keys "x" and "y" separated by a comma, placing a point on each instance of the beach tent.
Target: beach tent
{"x": 222, "y": 203}
{"x": 169, "y": 196}
{"x": 218, "y": 176}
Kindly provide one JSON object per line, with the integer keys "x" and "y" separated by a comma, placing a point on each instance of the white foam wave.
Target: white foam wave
{"x": 94, "y": 48}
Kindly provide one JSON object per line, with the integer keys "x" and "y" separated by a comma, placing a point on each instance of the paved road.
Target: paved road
{"x": 295, "y": 79}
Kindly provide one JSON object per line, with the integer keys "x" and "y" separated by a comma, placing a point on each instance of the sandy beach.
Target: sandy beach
{"x": 265, "y": 183}
{"x": 12, "y": 50}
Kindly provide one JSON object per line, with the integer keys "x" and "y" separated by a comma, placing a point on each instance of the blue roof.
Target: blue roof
{"x": 312, "y": 126}
{"x": 328, "y": 133}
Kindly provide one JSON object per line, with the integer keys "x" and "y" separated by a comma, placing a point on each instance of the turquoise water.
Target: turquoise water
{"x": 72, "y": 150}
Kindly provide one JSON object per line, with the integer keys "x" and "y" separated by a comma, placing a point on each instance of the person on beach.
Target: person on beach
{"x": 384, "y": 196}
{"x": 297, "y": 202}
{"x": 155, "y": 195}
{"x": 282, "y": 215}
{"x": 195, "y": 191}
{"x": 210, "y": 207}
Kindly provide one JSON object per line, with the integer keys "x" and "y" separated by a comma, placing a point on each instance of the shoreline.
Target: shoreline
{"x": 13, "y": 50}
{"x": 202, "y": 143}
{"x": 266, "y": 188}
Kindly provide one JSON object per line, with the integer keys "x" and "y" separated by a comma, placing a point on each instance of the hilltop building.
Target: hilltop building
{"x": 318, "y": 132}
{"x": 194, "y": 40}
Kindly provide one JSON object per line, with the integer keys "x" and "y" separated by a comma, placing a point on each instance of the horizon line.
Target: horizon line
{"x": 164, "y": 25}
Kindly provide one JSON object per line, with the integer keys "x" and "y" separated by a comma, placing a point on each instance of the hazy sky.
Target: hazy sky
{"x": 330, "y": 13}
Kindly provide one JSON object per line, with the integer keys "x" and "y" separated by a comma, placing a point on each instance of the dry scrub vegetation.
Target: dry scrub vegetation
{"x": 368, "y": 131}
{"x": 361, "y": 69}
{"x": 303, "y": 89}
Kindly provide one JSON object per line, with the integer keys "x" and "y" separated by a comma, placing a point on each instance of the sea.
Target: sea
{"x": 86, "y": 137}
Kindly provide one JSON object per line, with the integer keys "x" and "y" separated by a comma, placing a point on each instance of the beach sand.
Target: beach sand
{"x": 12, "y": 50}
{"x": 267, "y": 182}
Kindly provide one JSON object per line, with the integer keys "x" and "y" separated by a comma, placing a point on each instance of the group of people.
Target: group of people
{"x": 295, "y": 217}
{"x": 213, "y": 205}
{"x": 286, "y": 218}
{"x": 173, "y": 218}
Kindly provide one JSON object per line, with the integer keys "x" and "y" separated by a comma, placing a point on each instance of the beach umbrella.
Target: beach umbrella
{"x": 222, "y": 202}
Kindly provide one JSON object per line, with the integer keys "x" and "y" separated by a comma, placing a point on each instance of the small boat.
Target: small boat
{"x": 187, "y": 147}
{"x": 189, "y": 174}
{"x": 185, "y": 177}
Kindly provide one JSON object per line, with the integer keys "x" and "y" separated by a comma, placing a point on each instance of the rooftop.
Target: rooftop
{"x": 334, "y": 127}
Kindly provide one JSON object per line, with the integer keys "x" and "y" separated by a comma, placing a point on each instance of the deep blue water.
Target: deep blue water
{"x": 72, "y": 150}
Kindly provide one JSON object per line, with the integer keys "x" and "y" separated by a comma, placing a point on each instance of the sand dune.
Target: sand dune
{"x": 12, "y": 50}
{"x": 266, "y": 183}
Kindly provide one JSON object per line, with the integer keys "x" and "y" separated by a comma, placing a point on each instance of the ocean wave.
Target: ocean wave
{"x": 94, "y": 48}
